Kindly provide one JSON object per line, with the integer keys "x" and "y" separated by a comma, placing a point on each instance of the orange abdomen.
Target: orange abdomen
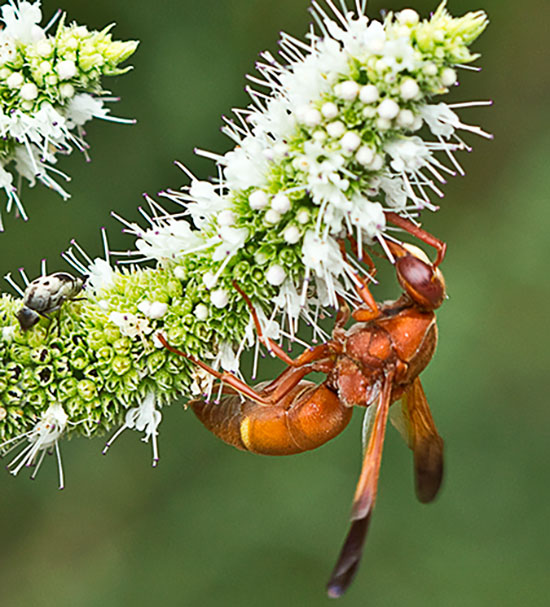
{"x": 306, "y": 418}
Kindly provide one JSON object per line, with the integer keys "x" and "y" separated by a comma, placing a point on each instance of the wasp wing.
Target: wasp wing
{"x": 365, "y": 495}
{"x": 415, "y": 422}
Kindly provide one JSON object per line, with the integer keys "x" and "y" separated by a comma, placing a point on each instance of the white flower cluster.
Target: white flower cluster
{"x": 49, "y": 87}
{"x": 335, "y": 143}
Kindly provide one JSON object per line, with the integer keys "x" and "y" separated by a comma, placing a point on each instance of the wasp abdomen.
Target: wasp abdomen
{"x": 306, "y": 418}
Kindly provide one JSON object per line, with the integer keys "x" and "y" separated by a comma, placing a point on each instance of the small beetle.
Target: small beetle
{"x": 45, "y": 295}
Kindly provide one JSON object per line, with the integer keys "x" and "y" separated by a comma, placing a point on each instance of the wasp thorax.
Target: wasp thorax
{"x": 422, "y": 282}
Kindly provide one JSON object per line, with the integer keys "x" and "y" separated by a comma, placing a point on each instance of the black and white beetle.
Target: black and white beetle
{"x": 45, "y": 295}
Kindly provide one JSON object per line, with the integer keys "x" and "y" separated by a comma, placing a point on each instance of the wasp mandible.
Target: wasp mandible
{"x": 374, "y": 363}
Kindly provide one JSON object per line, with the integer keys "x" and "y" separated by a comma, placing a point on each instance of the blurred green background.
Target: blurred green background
{"x": 213, "y": 526}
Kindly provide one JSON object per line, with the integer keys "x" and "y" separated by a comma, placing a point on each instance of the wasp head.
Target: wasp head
{"x": 422, "y": 282}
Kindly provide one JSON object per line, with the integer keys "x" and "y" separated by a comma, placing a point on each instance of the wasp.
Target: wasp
{"x": 374, "y": 363}
{"x": 45, "y": 295}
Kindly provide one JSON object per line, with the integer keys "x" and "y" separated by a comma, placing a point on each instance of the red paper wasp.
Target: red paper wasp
{"x": 374, "y": 363}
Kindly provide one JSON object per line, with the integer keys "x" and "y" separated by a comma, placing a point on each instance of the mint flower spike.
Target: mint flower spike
{"x": 50, "y": 87}
{"x": 349, "y": 130}
{"x": 332, "y": 142}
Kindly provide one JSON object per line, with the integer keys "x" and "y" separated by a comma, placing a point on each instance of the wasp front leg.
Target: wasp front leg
{"x": 416, "y": 231}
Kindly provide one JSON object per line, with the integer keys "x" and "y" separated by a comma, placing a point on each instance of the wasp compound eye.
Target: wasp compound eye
{"x": 27, "y": 318}
{"x": 424, "y": 284}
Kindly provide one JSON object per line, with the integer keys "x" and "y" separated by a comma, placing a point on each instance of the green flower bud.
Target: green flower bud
{"x": 37, "y": 399}
{"x": 121, "y": 364}
{"x": 13, "y": 396}
{"x": 67, "y": 387}
{"x": 86, "y": 389}
{"x": 155, "y": 361}
{"x": 122, "y": 346}
{"x": 44, "y": 375}
{"x": 40, "y": 355}
{"x": 79, "y": 358}
{"x": 62, "y": 367}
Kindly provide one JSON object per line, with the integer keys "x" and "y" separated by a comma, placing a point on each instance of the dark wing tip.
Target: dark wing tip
{"x": 428, "y": 470}
{"x": 346, "y": 567}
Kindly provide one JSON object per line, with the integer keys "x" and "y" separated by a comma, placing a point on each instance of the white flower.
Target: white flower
{"x": 15, "y": 80}
{"x": 130, "y": 325}
{"x": 408, "y": 16}
{"x": 347, "y": 91}
{"x": 29, "y": 91}
{"x": 246, "y": 165}
{"x": 203, "y": 201}
{"x": 153, "y": 310}
{"x": 396, "y": 196}
{"x": 22, "y": 21}
{"x": 281, "y": 203}
{"x": 66, "y": 70}
{"x": 209, "y": 279}
{"x": 275, "y": 275}
{"x": 101, "y": 276}
{"x": 9, "y": 332}
{"x": 226, "y": 218}
{"x": 233, "y": 239}
{"x": 270, "y": 330}
{"x": 388, "y": 109}
{"x": 321, "y": 254}
{"x": 44, "y": 48}
{"x": 43, "y": 437}
{"x": 406, "y": 119}
{"x": 7, "y": 49}
{"x": 219, "y": 298}
{"x": 272, "y": 217}
{"x": 399, "y": 55}
{"x": 409, "y": 89}
{"x": 336, "y": 129}
{"x": 369, "y": 94}
{"x": 200, "y": 311}
{"x": 309, "y": 116}
{"x": 6, "y": 178}
{"x": 365, "y": 155}
{"x": 408, "y": 154}
{"x": 350, "y": 141}
{"x": 258, "y": 200}
{"x": 292, "y": 235}
{"x": 143, "y": 418}
{"x": 227, "y": 357}
{"x": 169, "y": 240}
{"x": 368, "y": 217}
{"x": 66, "y": 90}
{"x": 329, "y": 110}
{"x": 441, "y": 119}
{"x": 303, "y": 216}
{"x": 374, "y": 38}
{"x": 448, "y": 77}
{"x": 83, "y": 107}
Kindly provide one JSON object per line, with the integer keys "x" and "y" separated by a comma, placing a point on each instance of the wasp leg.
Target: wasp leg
{"x": 421, "y": 234}
{"x": 372, "y": 311}
{"x": 310, "y": 355}
{"x": 362, "y": 255}
{"x": 226, "y": 378}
